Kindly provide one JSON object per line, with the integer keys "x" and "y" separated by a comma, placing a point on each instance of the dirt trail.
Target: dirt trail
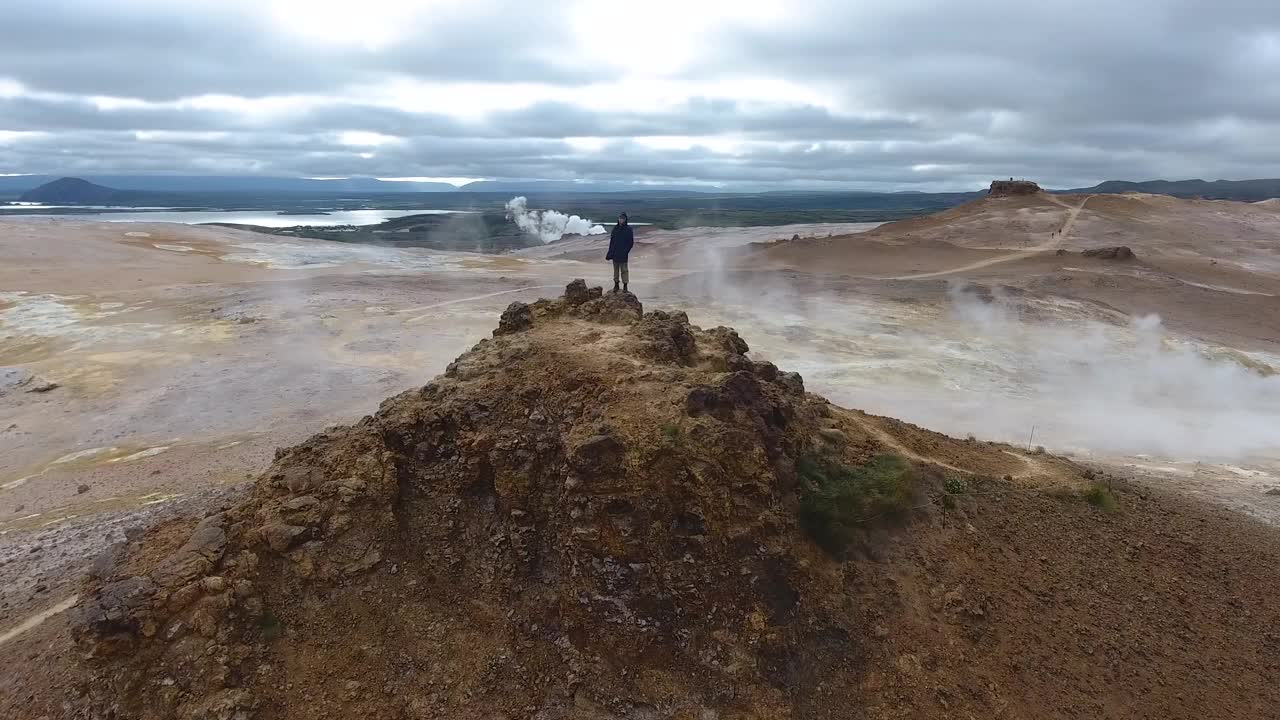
{"x": 473, "y": 298}
{"x": 1051, "y": 244}
{"x": 1073, "y": 213}
{"x": 1031, "y": 469}
{"x": 38, "y": 618}
{"x": 894, "y": 444}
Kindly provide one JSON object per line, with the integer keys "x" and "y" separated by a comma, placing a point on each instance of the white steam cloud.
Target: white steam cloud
{"x": 1098, "y": 387}
{"x": 1085, "y": 380}
{"x": 548, "y": 225}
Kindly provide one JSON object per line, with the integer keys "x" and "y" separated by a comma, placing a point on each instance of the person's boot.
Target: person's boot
{"x": 615, "y": 287}
{"x": 624, "y": 288}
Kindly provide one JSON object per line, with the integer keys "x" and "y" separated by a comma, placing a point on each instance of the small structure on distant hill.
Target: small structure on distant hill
{"x": 1002, "y": 188}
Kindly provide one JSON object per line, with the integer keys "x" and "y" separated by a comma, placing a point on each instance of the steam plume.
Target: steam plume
{"x": 996, "y": 368}
{"x": 548, "y": 225}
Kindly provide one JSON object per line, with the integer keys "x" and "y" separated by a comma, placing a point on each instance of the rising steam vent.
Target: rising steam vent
{"x": 605, "y": 513}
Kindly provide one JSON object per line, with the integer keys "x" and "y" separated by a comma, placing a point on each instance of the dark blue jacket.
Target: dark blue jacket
{"x": 621, "y": 240}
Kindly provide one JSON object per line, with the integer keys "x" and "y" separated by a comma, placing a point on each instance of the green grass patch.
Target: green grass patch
{"x": 838, "y": 499}
{"x": 1100, "y": 496}
{"x": 1063, "y": 493}
{"x": 271, "y": 627}
{"x": 955, "y": 485}
{"x": 673, "y": 432}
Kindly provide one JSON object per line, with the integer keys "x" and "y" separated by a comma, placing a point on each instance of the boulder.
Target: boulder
{"x": 515, "y": 318}
{"x": 620, "y": 308}
{"x": 196, "y": 556}
{"x": 598, "y": 453}
{"x": 15, "y": 379}
{"x": 1120, "y": 252}
{"x": 577, "y": 293}
{"x": 119, "y": 606}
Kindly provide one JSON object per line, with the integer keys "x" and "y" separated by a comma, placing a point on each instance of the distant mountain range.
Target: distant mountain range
{"x": 230, "y": 183}
{"x": 240, "y": 184}
{"x": 120, "y": 187}
{"x": 1244, "y": 190}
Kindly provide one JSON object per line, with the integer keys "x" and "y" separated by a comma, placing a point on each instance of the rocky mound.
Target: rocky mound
{"x": 606, "y": 513}
{"x": 1120, "y": 252}
{"x": 595, "y": 509}
{"x": 14, "y": 379}
{"x": 1005, "y": 188}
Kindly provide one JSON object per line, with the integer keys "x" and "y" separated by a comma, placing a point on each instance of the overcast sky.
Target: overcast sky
{"x": 893, "y": 94}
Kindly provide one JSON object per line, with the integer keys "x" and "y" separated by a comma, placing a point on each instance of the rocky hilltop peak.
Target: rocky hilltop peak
{"x": 1004, "y": 188}
{"x": 602, "y": 512}
{"x": 599, "y": 507}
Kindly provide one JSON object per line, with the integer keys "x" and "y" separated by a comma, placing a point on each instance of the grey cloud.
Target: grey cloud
{"x": 698, "y": 117}
{"x": 870, "y": 166}
{"x": 79, "y": 114}
{"x": 165, "y": 50}
{"x": 933, "y": 94}
{"x": 1146, "y": 60}
{"x": 385, "y": 121}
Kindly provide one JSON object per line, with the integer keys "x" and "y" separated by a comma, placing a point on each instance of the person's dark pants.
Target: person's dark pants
{"x": 620, "y": 271}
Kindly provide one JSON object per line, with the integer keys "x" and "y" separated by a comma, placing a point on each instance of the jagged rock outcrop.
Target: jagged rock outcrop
{"x": 1004, "y": 188}
{"x": 589, "y": 515}
{"x": 1110, "y": 253}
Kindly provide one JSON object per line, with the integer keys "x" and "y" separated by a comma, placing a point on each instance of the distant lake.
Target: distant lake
{"x": 264, "y": 218}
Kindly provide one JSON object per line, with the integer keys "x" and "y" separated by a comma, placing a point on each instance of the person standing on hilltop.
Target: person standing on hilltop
{"x": 621, "y": 240}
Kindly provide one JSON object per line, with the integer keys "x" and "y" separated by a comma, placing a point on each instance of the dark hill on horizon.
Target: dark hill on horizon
{"x": 1242, "y": 190}
{"x": 232, "y": 184}
{"x": 72, "y": 191}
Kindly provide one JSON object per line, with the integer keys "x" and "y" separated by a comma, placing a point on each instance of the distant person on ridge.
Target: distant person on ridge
{"x": 621, "y": 240}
